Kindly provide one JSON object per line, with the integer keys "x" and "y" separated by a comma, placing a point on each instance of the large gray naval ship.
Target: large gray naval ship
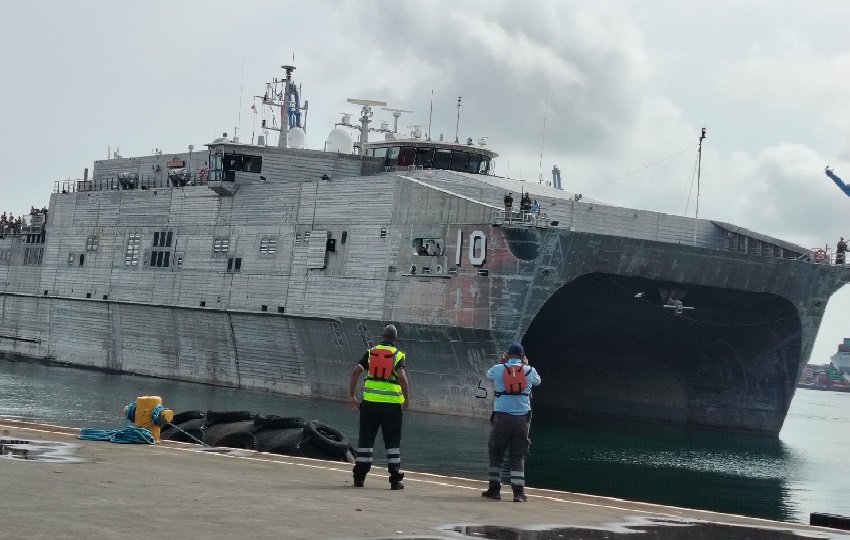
{"x": 275, "y": 266}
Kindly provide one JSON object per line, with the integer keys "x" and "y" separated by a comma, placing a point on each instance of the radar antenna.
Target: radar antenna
{"x": 396, "y": 116}
{"x": 365, "y": 119}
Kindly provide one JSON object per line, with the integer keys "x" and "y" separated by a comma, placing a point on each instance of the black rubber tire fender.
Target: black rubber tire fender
{"x": 185, "y": 416}
{"x": 275, "y": 440}
{"x": 326, "y": 438}
{"x": 182, "y": 437}
{"x": 224, "y": 417}
{"x": 273, "y": 421}
{"x": 215, "y": 433}
{"x": 240, "y": 439}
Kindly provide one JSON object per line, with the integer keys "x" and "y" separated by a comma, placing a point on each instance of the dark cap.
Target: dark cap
{"x": 516, "y": 349}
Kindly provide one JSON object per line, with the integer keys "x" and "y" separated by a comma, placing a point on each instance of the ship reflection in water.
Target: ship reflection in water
{"x": 678, "y": 466}
{"x": 650, "y": 529}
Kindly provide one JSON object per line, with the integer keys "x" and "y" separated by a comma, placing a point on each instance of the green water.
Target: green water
{"x": 803, "y": 471}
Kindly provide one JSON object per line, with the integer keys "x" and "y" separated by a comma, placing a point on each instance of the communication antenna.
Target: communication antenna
{"x": 365, "y": 117}
{"x": 699, "y": 164}
{"x": 396, "y": 116}
{"x": 430, "y": 114}
{"x": 543, "y": 140}
{"x": 457, "y": 125}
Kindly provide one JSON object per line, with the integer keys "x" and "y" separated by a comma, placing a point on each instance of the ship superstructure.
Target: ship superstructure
{"x": 275, "y": 266}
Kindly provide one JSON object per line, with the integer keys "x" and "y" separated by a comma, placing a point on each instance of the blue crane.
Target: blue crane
{"x": 838, "y": 181}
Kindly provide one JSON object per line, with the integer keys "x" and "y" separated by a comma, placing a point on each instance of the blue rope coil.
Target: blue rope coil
{"x": 133, "y": 434}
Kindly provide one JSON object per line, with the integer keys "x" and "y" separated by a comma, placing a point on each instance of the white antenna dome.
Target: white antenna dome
{"x": 340, "y": 141}
{"x": 296, "y": 138}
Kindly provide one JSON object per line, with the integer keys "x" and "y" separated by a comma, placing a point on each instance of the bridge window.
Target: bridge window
{"x": 406, "y": 157}
{"x": 474, "y": 163}
{"x": 424, "y": 157}
{"x": 379, "y": 152}
{"x": 484, "y": 167}
{"x": 162, "y": 239}
{"x": 459, "y": 160}
{"x": 442, "y": 158}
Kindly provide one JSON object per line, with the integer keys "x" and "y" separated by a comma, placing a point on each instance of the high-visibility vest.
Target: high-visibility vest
{"x": 381, "y": 384}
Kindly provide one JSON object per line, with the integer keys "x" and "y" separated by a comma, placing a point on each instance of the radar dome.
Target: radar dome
{"x": 340, "y": 141}
{"x": 296, "y": 138}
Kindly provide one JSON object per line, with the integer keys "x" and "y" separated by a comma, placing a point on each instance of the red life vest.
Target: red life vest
{"x": 381, "y": 364}
{"x": 515, "y": 382}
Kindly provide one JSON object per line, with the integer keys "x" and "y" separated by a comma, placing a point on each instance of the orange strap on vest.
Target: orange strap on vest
{"x": 514, "y": 380}
{"x": 381, "y": 364}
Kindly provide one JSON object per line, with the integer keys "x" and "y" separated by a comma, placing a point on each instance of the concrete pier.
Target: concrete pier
{"x": 174, "y": 490}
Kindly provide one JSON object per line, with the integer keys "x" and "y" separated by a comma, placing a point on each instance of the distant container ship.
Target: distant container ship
{"x": 833, "y": 376}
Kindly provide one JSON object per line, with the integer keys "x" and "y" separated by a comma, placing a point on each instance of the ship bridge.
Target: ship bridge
{"x": 416, "y": 153}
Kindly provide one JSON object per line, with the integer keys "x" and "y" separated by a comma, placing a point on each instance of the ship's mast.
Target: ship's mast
{"x": 699, "y": 165}
{"x": 284, "y": 110}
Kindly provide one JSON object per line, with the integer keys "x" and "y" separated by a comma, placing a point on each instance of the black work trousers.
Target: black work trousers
{"x": 509, "y": 432}
{"x": 387, "y": 417}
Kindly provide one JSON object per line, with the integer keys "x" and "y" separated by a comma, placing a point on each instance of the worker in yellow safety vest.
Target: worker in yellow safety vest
{"x": 385, "y": 393}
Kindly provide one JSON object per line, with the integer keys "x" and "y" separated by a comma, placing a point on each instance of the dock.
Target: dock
{"x": 175, "y": 490}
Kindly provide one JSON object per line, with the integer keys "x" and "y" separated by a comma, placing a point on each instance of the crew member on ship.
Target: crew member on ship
{"x": 511, "y": 419}
{"x": 385, "y": 393}
{"x": 840, "y": 250}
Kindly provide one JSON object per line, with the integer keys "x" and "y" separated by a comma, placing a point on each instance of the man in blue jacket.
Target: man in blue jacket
{"x": 511, "y": 419}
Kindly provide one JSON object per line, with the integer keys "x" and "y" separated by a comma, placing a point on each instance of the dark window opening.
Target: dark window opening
{"x": 167, "y": 257}
{"x": 474, "y": 163}
{"x": 159, "y": 256}
{"x": 406, "y": 157}
{"x": 344, "y": 237}
{"x": 281, "y": 309}
{"x": 105, "y": 297}
{"x": 168, "y": 239}
{"x": 459, "y": 160}
{"x": 237, "y": 266}
{"x": 203, "y": 303}
{"x": 230, "y": 264}
{"x": 88, "y": 295}
{"x": 45, "y": 293}
{"x": 424, "y": 157}
{"x": 331, "y": 245}
{"x": 236, "y": 162}
{"x": 442, "y": 158}
{"x": 264, "y": 308}
{"x": 156, "y": 239}
{"x": 252, "y": 164}
{"x": 82, "y": 259}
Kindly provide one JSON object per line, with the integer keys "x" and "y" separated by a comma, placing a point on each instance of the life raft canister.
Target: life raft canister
{"x": 381, "y": 363}
{"x": 515, "y": 382}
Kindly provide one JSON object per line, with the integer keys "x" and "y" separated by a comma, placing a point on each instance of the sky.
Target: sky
{"x": 618, "y": 85}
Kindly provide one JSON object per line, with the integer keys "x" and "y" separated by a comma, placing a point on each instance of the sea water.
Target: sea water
{"x": 804, "y": 470}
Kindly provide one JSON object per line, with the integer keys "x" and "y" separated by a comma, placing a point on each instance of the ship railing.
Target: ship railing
{"x": 143, "y": 182}
{"x": 519, "y": 218}
{"x": 825, "y": 256}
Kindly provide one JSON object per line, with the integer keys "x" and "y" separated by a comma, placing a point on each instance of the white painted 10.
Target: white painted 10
{"x": 477, "y": 251}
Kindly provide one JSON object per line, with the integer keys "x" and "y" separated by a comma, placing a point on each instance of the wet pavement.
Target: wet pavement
{"x": 174, "y": 490}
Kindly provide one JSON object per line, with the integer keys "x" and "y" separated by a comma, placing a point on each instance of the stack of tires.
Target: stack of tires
{"x": 286, "y": 435}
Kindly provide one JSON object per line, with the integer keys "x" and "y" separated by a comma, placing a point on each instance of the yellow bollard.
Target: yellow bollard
{"x": 144, "y": 408}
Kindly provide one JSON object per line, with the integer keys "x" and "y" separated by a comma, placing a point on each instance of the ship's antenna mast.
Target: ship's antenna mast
{"x": 543, "y": 140}
{"x": 239, "y": 115}
{"x": 457, "y": 125}
{"x": 699, "y": 165}
{"x": 430, "y": 114}
{"x": 284, "y": 110}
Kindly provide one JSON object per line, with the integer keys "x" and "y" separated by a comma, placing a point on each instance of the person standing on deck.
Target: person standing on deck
{"x": 385, "y": 393}
{"x": 510, "y": 421}
{"x": 840, "y": 250}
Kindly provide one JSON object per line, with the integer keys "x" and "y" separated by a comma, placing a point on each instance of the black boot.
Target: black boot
{"x": 519, "y": 494}
{"x": 396, "y": 483}
{"x": 493, "y": 491}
